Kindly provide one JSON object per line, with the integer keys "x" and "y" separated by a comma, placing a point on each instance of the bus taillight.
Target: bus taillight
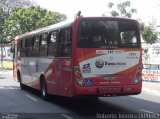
{"x": 139, "y": 69}
{"x": 78, "y": 76}
{"x": 77, "y": 70}
{"x": 138, "y": 75}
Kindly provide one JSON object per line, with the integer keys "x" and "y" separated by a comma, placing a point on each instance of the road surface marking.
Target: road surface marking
{"x": 32, "y": 98}
{"x": 66, "y": 116}
{"x": 147, "y": 111}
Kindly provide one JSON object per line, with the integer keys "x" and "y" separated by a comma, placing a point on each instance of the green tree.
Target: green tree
{"x": 123, "y": 9}
{"x": 6, "y": 6}
{"x": 23, "y": 20}
{"x": 149, "y": 34}
{"x": 1, "y": 21}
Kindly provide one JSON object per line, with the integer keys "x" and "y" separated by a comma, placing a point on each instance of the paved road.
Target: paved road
{"x": 15, "y": 102}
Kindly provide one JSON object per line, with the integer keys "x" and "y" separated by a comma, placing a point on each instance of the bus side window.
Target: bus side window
{"x": 66, "y": 42}
{"x": 32, "y": 46}
{"x": 43, "y": 45}
{"x": 53, "y": 44}
{"x": 25, "y": 48}
{"x": 35, "y": 49}
{"x": 22, "y": 49}
{"x": 28, "y": 48}
{"x": 17, "y": 49}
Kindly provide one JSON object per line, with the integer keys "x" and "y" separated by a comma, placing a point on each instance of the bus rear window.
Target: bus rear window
{"x": 108, "y": 34}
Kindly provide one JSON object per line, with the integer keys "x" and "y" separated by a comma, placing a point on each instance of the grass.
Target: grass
{"x": 7, "y": 65}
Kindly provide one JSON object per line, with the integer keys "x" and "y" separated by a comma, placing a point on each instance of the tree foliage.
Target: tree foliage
{"x": 8, "y": 5}
{"x": 123, "y": 9}
{"x": 23, "y": 20}
{"x": 149, "y": 34}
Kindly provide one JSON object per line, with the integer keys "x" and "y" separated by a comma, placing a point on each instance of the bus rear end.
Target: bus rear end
{"x": 107, "y": 57}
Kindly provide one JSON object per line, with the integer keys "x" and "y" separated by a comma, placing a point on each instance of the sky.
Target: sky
{"x": 147, "y": 10}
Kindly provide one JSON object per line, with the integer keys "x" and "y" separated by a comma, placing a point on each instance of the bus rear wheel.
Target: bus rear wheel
{"x": 44, "y": 94}
{"x": 20, "y": 81}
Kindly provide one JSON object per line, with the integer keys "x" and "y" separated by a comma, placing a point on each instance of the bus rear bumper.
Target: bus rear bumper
{"x": 102, "y": 91}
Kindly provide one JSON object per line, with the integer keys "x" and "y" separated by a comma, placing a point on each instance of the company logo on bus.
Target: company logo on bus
{"x": 99, "y": 63}
{"x": 115, "y": 63}
{"x": 86, "y": 68}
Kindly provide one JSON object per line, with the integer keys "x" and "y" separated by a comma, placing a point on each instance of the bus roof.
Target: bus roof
{"x": 63, "y": 24}
{"x": 46, "y": 29}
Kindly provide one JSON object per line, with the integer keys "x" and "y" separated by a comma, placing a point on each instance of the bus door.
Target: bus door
{"x": 34, "y": 59}
{"x": 25, "y": 50}
{"x": 64, "y": 61}
{"x": 53, "y": 70}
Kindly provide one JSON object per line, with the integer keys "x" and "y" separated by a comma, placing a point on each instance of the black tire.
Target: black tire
{"x": 22, "y": 86}
{"x": 44, "y": 94}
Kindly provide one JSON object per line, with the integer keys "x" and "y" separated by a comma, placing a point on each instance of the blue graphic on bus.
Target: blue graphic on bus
{"x": 89, "y": 82}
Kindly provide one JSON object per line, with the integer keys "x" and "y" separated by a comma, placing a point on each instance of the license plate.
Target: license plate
{"x": 109, "y": 78}
{"x": 107, "y": 89}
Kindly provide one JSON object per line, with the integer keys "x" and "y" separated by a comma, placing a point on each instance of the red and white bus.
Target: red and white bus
{"x": 89, "y": 56}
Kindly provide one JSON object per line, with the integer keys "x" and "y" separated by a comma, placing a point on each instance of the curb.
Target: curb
{"x": 151, "y": 91}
